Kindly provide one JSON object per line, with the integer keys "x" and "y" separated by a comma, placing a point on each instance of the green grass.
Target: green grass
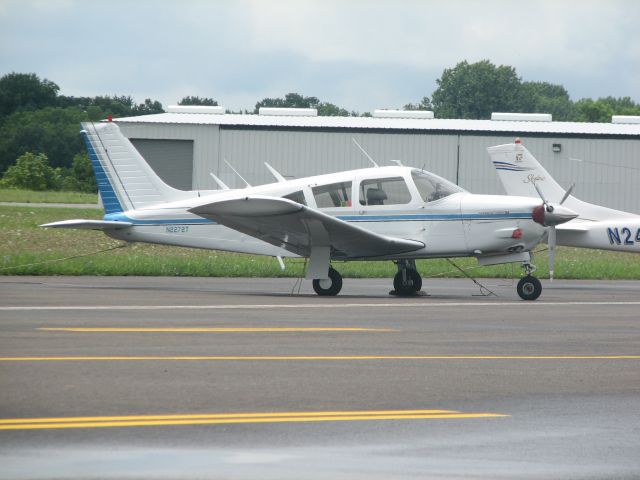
{"x": 27, "y": 249}
{"x": 30, "y": 196}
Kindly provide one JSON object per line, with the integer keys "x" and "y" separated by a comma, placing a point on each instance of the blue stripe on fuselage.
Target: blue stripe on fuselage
{"x": 119, "y": 217}
{"x": 434, "y": 217}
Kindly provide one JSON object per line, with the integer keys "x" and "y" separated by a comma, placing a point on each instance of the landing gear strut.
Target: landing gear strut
{"x": 529, "y": 287}
{"x": 329, "y": 287}
{"x": 407, "y": 281}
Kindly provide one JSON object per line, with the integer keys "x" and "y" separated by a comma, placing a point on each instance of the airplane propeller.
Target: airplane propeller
{"x": 549, "y": 216}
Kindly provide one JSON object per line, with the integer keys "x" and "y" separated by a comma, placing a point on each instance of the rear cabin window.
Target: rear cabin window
{"x": 384, "y": 191}
{"x": 297, "y": 197}
{"x": 333, "y": 195}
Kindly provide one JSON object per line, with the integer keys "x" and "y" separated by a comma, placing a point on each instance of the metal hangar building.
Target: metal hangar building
{"x": 187, "y": 143}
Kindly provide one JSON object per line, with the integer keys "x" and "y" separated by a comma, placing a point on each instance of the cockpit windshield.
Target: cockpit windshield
{"x": 432, "y": 187}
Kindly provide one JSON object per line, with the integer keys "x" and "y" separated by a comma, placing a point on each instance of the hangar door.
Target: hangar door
{"x": 172, "y": 160}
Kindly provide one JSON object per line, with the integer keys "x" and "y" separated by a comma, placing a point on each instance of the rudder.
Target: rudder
{"x": 125, "y": 180}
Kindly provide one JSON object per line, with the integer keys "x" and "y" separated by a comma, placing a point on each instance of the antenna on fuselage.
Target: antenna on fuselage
{"x": 221, "y": 184}
{"x": 397, "y": 162}
{"x": 365, "y": 152}
{"x": 275, "y": 173}
{"x": 236, "y": 172}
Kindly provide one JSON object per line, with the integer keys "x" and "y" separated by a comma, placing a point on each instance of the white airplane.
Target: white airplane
{"x": 387, "y": 213}
{"x": 594, "y": 227}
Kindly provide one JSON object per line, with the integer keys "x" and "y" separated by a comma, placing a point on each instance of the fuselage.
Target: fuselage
{"x": 395, "y": 201}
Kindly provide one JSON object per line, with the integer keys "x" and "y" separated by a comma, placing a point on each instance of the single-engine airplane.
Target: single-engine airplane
{"x": 387, "y": 213}
{"x": 595, "y": 226}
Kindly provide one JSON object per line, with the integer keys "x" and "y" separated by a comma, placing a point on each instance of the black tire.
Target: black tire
{"x": 529, "y": 288}
{"x": 411, "y": 286}
{"x": 334, "y": 289}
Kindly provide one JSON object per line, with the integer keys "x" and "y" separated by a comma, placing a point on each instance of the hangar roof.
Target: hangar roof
{"x": 372, "y": 123}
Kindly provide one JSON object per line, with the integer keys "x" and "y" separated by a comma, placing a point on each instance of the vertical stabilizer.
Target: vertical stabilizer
{"x": 519, "y": 171}
{"x": 125, "y": 180}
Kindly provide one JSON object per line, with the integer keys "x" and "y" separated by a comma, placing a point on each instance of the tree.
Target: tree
{"x": 80, "y": 177}
{"x": 424, "y": 104}
{"x": 544, "y": 97}
{"x": 32, "y": 172}
{"x": 326, "y": 109}
{"x": 53, "y": 131}
{"x": 101, "y": 107}
{"x": 290, "y": 100}
{"x": 190, "y": 100}
{"x": 149, "y": 107}
{"x": 475, "y": 90}
{"x": 588, "y": 110}
{"x": 601, "y": 110}
{"x": 295, "y": 100}
{"x": 25, "y": 91}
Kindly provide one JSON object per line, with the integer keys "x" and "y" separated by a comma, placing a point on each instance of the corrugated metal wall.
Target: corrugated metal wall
{"x": 205, "y": 145}
{"x": 606, "y": 171}
{"x": 303, "y": 153}
{"x": 170, "y": 159}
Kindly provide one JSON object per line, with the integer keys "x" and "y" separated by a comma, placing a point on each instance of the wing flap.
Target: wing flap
{"x": 297, "y": 228}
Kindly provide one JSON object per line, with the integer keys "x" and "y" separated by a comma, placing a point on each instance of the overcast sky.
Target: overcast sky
{"x": 358, "y": 54}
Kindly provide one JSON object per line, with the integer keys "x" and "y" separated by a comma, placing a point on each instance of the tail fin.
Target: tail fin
{"x": 519, "y": 171}
{"x": 125, "y": 180}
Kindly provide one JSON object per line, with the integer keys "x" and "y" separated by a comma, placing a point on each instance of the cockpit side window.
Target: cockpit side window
{"x": 384, "y": 191}
{"x": 297, "y": 197}
{"x": 333, "y": 195}
{"x": 431, "y": 187}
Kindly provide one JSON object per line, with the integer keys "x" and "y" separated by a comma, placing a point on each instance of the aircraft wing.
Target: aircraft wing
{"x": 296, "y": 228}
{"x": 88, "y": 224}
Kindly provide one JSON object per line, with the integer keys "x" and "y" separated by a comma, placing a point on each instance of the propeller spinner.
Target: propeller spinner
{"x": 549, "y": 215}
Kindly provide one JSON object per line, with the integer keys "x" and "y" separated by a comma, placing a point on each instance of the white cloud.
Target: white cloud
{"x": 358, "y": 54}
{"x": 568, "y": 35}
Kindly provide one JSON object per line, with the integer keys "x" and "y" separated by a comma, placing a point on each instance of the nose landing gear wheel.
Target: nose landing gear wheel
{"x": 408, "y": 284}
{"x": 529, "y": 288}
{"x": 329, "y": 287}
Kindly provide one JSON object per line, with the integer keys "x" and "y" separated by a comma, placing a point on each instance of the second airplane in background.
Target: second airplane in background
{"x": 594, "y": 227}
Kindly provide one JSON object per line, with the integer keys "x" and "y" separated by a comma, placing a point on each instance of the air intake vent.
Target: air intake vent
{"x": 383, "y": 113}
{"x": 626, "y": 119}
{"x": 522, "y": 117}
{"x": 288, "y": 112}
{"x": 195, "y": 109}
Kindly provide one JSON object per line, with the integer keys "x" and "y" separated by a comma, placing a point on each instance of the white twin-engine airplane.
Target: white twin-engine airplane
{"x": 386, "y": 213}
{"x": 594, "y": 227}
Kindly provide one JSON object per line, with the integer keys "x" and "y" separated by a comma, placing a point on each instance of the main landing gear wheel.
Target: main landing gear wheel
{"x": 329, "y": 287}
{"x": 529, "y": 288}
{"x": 407, "y": 282}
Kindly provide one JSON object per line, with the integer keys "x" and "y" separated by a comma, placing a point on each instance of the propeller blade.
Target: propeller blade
{"x": 567, "y": 193}
{"x": 544, "y": 200}
{"x": 547, "y": 206}
{"x": 552, "y": 251}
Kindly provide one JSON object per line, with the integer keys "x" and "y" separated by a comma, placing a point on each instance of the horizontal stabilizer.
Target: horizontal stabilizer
{"x": 576, "y": 227}
{"x": 297, "y": 228}
{"x": 88, "y": 224}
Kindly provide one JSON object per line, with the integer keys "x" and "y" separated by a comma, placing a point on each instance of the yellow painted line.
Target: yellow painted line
{"x": 214, "y": 329}
{"x": 427, "y": 303}
{"x": 318, "y": 358}
{"x": 196, "y": 416}
{"x": 212, "y": 419}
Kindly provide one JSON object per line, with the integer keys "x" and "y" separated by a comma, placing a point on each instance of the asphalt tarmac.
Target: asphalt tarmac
{"x": 121, "y": 377}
